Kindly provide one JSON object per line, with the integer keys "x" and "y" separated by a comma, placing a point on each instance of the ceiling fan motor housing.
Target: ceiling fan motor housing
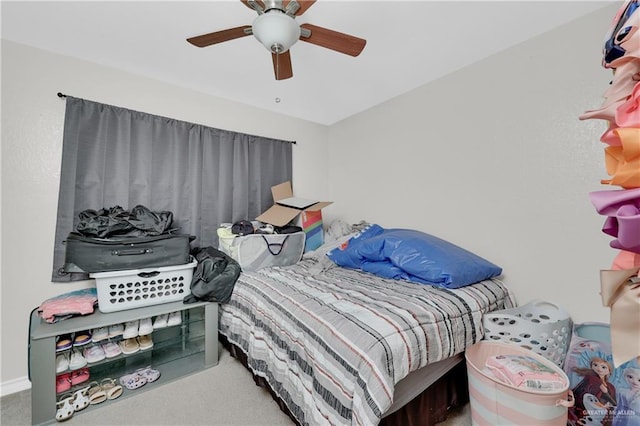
{"x": 276, "y": 30}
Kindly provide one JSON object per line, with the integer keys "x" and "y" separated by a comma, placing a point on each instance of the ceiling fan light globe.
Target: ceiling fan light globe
{"x": 276, "y": 31}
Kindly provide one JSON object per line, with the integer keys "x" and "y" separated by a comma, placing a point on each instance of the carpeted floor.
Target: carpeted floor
{"x": 222, "y": 395}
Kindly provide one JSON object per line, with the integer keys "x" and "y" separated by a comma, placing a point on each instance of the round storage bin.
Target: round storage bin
{"x": 540, "y": 326}
{"x": 593, "y": 331}
{"x": 496, "y": 403}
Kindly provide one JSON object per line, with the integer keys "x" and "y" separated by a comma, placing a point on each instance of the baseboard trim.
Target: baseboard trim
{"x": 15, "y": 385}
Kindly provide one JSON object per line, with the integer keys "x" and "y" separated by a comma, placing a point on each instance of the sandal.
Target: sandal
{"x": 96, "y": 393}
{"x": 132, "y": 381}
{"x": 65, "y": 408}
{"x": 111, "y": 388}
{"x": 148, "y": 373}
{"x": 81, "y": 399}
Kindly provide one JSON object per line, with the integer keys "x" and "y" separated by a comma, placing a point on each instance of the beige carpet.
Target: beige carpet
{"x": 222, "y": 395}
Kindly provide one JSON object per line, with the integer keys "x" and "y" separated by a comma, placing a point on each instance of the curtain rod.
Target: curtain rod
{"x": 62, "y": 95}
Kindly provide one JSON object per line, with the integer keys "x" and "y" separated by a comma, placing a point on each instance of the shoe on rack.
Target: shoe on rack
{"x": 62, "y": 362}
{"x": 175, "y": 318}
{"x": 132, "y": 381}
{"x": 64, "y": 408}
{"x": 111, "y": 349}
{"x": 145, "y": 342}
{"x": 99, "y": 334}
{"x": 79, "y": 376}
{"x": 111, "y": 388}
{"x": 148, "y": 373}
{"x": 76, "y": 361}
{"x": 63, "y": 382}
{"x": 160, "y": 321}
{"x": 94, "y": 353}
{"x": 96, "y": 394}
{"x": 145, "y": 327}
{"x": 130, "y": 329}
{"x": 63, "y": 343}
{"x": 81, "y": 399}
{"x": 82, "y": 338}
{"x": 116, "y": 330}
{"x": 129, "y": 346}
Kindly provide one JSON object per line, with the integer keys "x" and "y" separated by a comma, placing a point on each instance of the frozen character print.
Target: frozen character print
{"x": 596, "y": 384}
{"x": 595, "y": 411}
{"x": 627, "y": 412}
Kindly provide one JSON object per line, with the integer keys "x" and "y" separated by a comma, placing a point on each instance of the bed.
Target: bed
{"x": 341, "y": 346}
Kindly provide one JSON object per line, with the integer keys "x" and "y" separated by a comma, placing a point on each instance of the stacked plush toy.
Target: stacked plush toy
{"x": 605, "y": 373}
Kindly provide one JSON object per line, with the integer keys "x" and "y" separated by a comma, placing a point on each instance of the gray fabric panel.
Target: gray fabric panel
{"x": 205, "y": 176}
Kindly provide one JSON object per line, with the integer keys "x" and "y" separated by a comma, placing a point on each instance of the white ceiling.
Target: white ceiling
{"x": 409, "y": 43}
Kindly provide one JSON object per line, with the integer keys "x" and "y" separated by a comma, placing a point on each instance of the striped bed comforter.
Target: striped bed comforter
{"x": 333, "y": 344}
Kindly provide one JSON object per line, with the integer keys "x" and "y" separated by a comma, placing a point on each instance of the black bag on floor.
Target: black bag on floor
{"x": 87, "y": 254}
{"x": 214, "y": 277}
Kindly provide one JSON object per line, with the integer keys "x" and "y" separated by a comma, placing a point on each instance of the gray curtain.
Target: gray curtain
{"x": 113, "y": 156}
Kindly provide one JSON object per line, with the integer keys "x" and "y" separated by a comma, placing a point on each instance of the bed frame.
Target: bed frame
{"x": 430, "y": 407}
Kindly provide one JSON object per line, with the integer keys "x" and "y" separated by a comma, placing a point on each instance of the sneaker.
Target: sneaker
{"x": 111, "y": 349}
{"x": 145, "y": 342}
{"x": 82, "y": 338}
{"x": 99, "y": 334}
{"x": 130, "y": 329}
{"x": 62, "y": 362}
{"x": 63, "y": 382}
{"x": 129, "y": 346}
{"x": 145, "y": 327}
{"x": 79, "y": 376}
{"x": 160, "y": 321}
{"x": 94, "y": 353}
{"x": 116, "y": 330}
{"x": 175, "y": 318}
{"x": 63, "y": 343}
{"x": 76, "y": 361}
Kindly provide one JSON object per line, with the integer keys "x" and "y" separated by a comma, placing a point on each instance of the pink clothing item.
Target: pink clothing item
{"x": 617, "y": 94}
{"x": 525, "y": 372}
{"x": 78, "y": 302}
{"x": 626, "y": 260}
{"x": 628, "y": 114}
{"x": 610, "y": 137}
{"x": 622, "y": 208}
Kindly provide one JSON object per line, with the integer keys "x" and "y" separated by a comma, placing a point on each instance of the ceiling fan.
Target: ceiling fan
{"x": 275, "y": 27}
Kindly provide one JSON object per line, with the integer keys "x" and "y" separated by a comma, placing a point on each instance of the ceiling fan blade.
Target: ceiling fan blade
{"x": 334, "y": 40}
{"x": 220, "y": 36}
{"x": 282, "y": 65}
{"x": 303, "y": 6}
{"x": 259, "y": 3}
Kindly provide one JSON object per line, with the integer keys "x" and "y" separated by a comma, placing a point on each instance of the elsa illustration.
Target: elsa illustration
{"x": 627, "y": 413}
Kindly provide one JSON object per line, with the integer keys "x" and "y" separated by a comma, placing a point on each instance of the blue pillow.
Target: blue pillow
{"x": 414, "y": 256}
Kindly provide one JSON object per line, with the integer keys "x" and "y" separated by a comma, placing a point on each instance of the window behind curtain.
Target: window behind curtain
{"x": 113, "y": 156}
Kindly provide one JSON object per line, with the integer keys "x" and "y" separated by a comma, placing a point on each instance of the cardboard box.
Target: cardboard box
{"x": 301, "y": 212}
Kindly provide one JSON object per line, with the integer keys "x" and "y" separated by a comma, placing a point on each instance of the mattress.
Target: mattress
{"x": 333, "y": 343}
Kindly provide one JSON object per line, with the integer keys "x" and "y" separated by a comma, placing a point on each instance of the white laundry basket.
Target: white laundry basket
{"x": 128, "y": 289}
{"x": 540, "y": 326}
